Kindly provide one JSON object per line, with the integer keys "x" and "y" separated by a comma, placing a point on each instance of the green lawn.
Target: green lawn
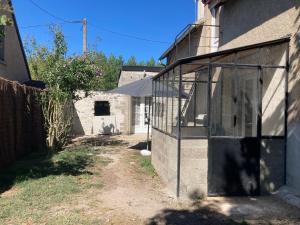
{"x": 32, "y": 188}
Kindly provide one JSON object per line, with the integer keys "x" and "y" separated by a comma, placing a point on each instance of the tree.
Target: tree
{"x": 64, "y": 77}
{"x": 55, "y": 69}
{"x": 4, "y": 19}
{"x": 151, "y": 62}
{"x": 132, "y": 61}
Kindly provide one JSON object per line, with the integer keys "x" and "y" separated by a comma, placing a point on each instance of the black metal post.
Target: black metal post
{"x": 286, "y": 110}
{"x": 167, "y": 104}
{"x": 179, "y": 134}
{"x": 148, "y": 120}
{"x": 209, "y": 97}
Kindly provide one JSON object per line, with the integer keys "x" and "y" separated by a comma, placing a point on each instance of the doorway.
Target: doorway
{"x": 234, "y": 145}
{"x": 141, "y": 114}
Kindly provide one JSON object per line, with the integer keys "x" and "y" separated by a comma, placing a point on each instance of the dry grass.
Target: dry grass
{"x": 35, "y": 186}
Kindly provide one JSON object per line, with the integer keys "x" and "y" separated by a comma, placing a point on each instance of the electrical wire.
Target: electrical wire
{"x": 51, "y": 14}
{"x": 64, "y": 21}
{"x": 127, "y": 35}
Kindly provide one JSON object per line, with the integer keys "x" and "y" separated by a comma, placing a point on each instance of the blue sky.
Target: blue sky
{"x": 159, "y": 20}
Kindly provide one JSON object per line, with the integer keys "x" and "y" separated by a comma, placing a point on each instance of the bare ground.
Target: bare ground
{"x": 131, "y": 197}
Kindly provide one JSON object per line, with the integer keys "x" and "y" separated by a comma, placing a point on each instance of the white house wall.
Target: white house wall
{"x": 86, "y": 123}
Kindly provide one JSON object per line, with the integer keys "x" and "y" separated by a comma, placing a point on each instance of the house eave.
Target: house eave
{"x": 188, "y": 29}
{"x": 223, "y": 52}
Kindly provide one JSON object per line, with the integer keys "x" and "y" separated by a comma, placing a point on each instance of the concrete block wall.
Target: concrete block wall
{"x": 164, "y": 158}
{"x": 86, "y": 123}
{"x": 194, "y": 164}
{"x": 194, "y": 168}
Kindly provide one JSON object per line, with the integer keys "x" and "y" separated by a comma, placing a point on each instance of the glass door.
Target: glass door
{"x": 234, "y": 143}
{"x": 141, "y": 114}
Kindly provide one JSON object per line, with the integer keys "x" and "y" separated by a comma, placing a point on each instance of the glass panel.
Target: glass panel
{"x": 247, "y": 102}
{"x": 160, "y": 106}
{"x": 175, "y": 102}
{"x": 155, "y": 105}
{"x": 274, "y": 55}
{"x": 222, "y": 105}
{"x": 164, "y": 91}
{"x": 234, "y": 102}
{"x": 169, "y": 102}
{"x": 201, "y": 104}
{"x": 273, "y": 102}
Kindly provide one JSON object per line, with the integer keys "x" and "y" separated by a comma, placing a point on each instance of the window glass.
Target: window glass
{"x": 273, "y": 102}
{"x": 234, "y": 102}
{"x": 102, "y": 108}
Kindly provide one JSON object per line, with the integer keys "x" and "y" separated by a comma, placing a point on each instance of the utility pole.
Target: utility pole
{"x": 84, "y": 22}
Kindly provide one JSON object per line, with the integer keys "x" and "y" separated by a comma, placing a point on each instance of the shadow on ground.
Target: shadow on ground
{"x": 99, "y": 140}
{"x": 39, "y": 165}
{"x": 200, "y": 216}
{"x": 141, "y": 145}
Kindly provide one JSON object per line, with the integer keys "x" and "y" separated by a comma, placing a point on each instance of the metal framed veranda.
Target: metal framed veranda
{"x": 235, "y": 99}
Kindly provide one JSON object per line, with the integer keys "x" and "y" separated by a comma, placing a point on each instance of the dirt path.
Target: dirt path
{"x": 131, "y": 193}
{"x": 133, "y": 198}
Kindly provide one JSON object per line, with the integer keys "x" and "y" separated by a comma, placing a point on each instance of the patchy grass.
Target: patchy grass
{"x": 36, "y": 184}
{"x": 144, "y": 164}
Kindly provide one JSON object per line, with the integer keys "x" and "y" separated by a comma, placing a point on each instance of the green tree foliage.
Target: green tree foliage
{"x": 52, "y": 66}
{"x": 64, "y": 77}
{"x": 132, "y": 61}
{"x": 111, "y": 67}
{"x": 5, "y": 20}
{"x": 151, "y": 62}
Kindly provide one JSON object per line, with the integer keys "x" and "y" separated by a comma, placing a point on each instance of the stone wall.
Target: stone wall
{"x": 86, "y": 123}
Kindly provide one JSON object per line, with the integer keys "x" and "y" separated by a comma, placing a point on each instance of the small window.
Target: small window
{"x": 102, "y": 108}
{"x": 2, "y": 43}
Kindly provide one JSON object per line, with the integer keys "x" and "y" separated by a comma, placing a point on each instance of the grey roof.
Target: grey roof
{"x": 142, "y": 68}
{"x": 139, "y": 88}
{"x": 143, "y": 88}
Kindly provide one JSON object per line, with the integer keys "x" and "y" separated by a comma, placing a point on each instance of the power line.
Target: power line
{"x": 127, "y": 35}
{"x": 51, "y": 14}
{"x": 64, "y": 21}
{"x": 41, "y": 25}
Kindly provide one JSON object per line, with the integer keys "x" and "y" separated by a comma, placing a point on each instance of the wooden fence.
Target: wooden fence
{"x": 21, "y": 122}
